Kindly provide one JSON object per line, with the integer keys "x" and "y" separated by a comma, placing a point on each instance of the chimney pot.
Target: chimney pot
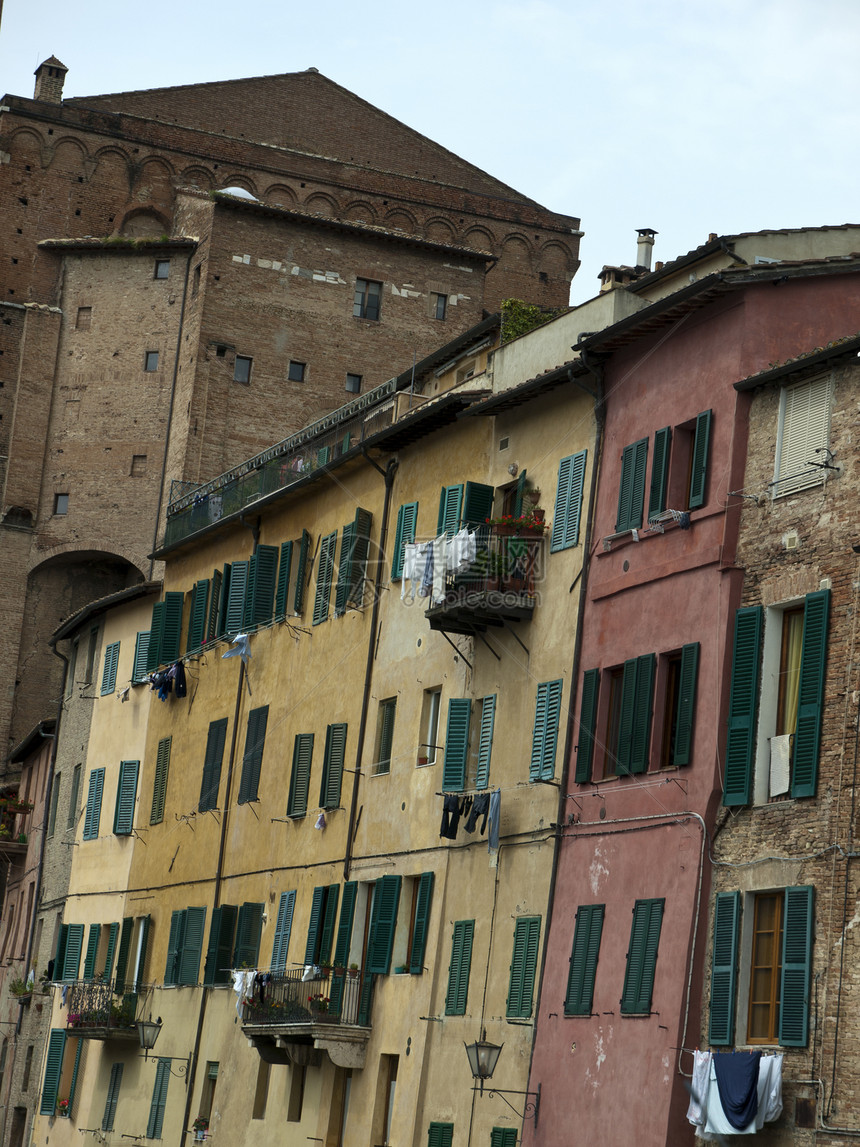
{"x": 644, "y": 246}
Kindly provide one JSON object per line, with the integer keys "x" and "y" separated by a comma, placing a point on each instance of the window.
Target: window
{"x": 504, "y": 1136}
{"x": 642, "y": 957}
{"x": 162, "y": 268}
{"x": 545, "y": 731}
{"x": 74, "y": 796}
{"x": 430, "y": 726}
{"x": 568, "y": 502}
{"x": 61, "y": 505}
{"x": 440, "y": 1135}
{"x": 53, "y": 1070}
{"x": 458, "y": 969}
{"x": 679, "y": 469}
{"x": 367, "y": 299}
{"x": 207, "y": 1092}
{"x": 94, "y": 804}
{"x": 783, "y": 743}
{"x": 353, "y": 383}
{"x": 55, "y": 797}
{"x": 28, "y": 1065}
{"x": 141, "y": 654}
{"x": 138, "y": 465}
{"x": 242, "y": 369}
{"x": 325, "y": 576}
{"x": 92, "y": 646}
{"x": 321, "y": 925}
{"x": 383, "y": 919}
{"x": 583, "y": 960}
{"x": 423, "y": 897}
{"x": 775, "y": 937}
{"x": 439, "y": 303}
{"x": 468, "y": 743}
{"x": 150, "y": 361}
{"x": 631, "y": 492}
{"x": 67, "y": 961}
{"x": 164, "y": 631}
{"x": 386, "y": 1088}
{"x": 83, "y": 318}
{"x": 296, "y": 371}
{"x": 300, "y": 777}
{"x": 803, "y": 436}
{"x": 212, "y": 765}
{"x": 333, "y": 762}
{"x": 110, "y": 666}
{"x": 112, "y": 1096}
{"x": 384, "y": 736}
{"x": 126, "y": 794}
{"x": 461, "y": 505}
{"x": 184, "y": 946}
{"x": 352, "y": 571}
{"x": 249, "y": 928}
{"x": 404, "y": 534}
{"x": 523, "y": 967}
{"x": 283, "y": 928}
{"x": 255, "y": 739}
{"x": 159, "y": 1099}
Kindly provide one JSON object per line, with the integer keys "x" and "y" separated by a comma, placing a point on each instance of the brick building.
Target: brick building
{"x": 153, "y": 331}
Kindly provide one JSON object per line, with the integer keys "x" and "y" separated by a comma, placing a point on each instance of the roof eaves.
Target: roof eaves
{"x": 804, "y": 364}
{"x": 101, "y": 605}
{"x": 41, "y": 732}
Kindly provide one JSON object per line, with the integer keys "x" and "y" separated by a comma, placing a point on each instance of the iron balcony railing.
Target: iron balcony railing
{"x": 329, "y": 998}
{"x": 96, "y": 1008}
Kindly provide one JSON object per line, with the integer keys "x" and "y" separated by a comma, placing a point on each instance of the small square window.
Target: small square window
{"x": 353, "y": 383}
{"x": 440, "y": 305}
{"x": 150, "y": 361}
{"x": 242, "y": 369}
{"x": 138, "y": 465}
{"x": 162, "y": 268}
{"x": 220, "y": 352}
{"x": 367, "y": 299}
{"x": 84, "y": 318}
{"x": 296, "y": 372}
{"x": 61, "y": 504}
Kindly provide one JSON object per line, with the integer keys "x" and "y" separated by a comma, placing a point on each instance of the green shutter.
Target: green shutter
{"x": 568, "y": 502}
{"x": 74, "y": 946}
{"x": 682, "y": 753}
{"x": 333, "y": 762}
{"x": 219, "y": 952}
{"x": 523, "y": 967}
{"x": 143, "y": 950}
{"x": 344, "y": 927}
{"x": 53, "y": 1070}
{"x": 341, "y": 595}
{"x": 545, "y": 731}
{"x": 156, "y": 633}
{"x": 440, "y": 1135}
{"x": 112, "y": 1096}
{"x": 283, "y": 928}
{"x": 631, "y": 493}
{"x": 199, "y": 614}
{"x": 283, "y": 587}
{"x": 159, "y": 786}
{"x": 354, "y": 548}
{"x": 234, "y": 613}
{"x": 659, "y": 472}
{"x": 249, "y": 929}
{"x": 72, "y": 819}
{"x": 796, "y": 965}
{"x": 323, "y": 455}
{"x": 459, "y": 968}
{"x": 743, "y": 699}
{"x": 422, "y": 923}
{"x": 642, "y": 956}
{"x": 407, "y": 518}
{"x": 518, "y": 493}
{"x": 110, "y": 665}
{"x": 212, "y": 764}
{"x": 172, "y": 631}
{"x": 260, "y": 592}
{"x": 111, "y": 948}
{"x": 477, "y": 503}
{"x": 699, "y": 469}
{"x": 126, "y": 793}
{"x": 60, "y": 954}
{"x": 388, "y": 711}
{"x": 627, "y": 709}
{"x": 314, "y": 925}
{"x": 300, "y": 778}
{"x": 174, "y": 947}
{"x": 122, "y": 954}
{"x": 94, "y": 804}
{"x": 192, "y": 946}
{"x": 386, "y": 899}
{"x": 159, "y": 1099}
{"x": 810, "y": 695}
{"x": 141, "y": 655}
{"x": 73, "y": 1083}
{"x": 503, "y": 1137}
{"x": 301, "y": 568}
{"x": 727, "y": 909}
{"x": 214, "y": 615}
{"x": 456, "y": 744}
{"x": 485, "y": 744}
{"x": 643, "y": 704}
{"x": 325, "y": 573}
{"x": 252, "y": 761}
{"x": 92, "y": 949}
{"x": 450, "y": 502}
{"x": 328, "y": 921}
{"x": 587, "y": 725}
{"x": 583, "y": 960}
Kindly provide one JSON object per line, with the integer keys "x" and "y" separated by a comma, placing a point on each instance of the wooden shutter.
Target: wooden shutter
{"x": 386, "y": 899}
{"x": 214, "y": 614}
{"x": 110, "y": 666}
{"x": 141, "y": 655}
{"x": 354, "y": 549}
{"x": 545, "y": 731}
{"x": 325, "y": 573}
{"x": 459, "y": 968}
{"x": 477, "y": 504}
{"x": 73, "y": 1083}
{"x": 682, "y": 753}
{"x": 341, "y": 595}
{"x": 804, "y": 429}
{"x": 450, "y": 502}
{"x": 249, "y": 928}
{"x": 234, "y": 614}
{"x": 523, "y": 966}
{"x": 156, "y": 633}
{"x": 94, "y": 804}
{"x": 300, "y": 778}
{"x": 642, "y": 956}
{"x": 631, "y": 493}
{"x": 111, "y": 948}
{"x": 260, "y": 594}
{"x": 74, "y": 946}
{"x": 568, "y": 502}
{"x": 301, "y": 570}
{"x": 283, "y": 586}
{"x": 456, "y": 744}
{"x": 743, "y": 701}
{"x": 503, "y": 1137}
{"x": 314, "y": 925}
{"x": 518, "y": 493}
{"x": 485, "y": 744}
{"x": 583, "y": 960}
{"x": 174, "y": 947}
{"x": 796, "y": 965}
{"x": 328, "y": 919}
{"x": 727, "y": 910}
{"x": 407, "y": 518}
{"x": 587, "y": 725}
{"x": 659, "y": 472}
{"x": 810, "y": 695}
{"x": 159, "y": 786}
{"x": 199, "y": 614}
{"x": 643, "y": 699}
{"x": 226, "y": 578}
{"x": 142, "y": 950}
{"x": 192, "y": 946}
{"x": 440, "y": 1135}
{"x": 112, "y": 1096}
{"x": 126, "y": 793}
{"x": 344, "y": 928}
{"x": 283, "y": 928}
{"x": 212, "y": 764}
{"x": 53, "y": 1070}
{"x": 333, "y": 762}
{"x": 159, "y": 1099}
{"x": 387, "y": 711}
{"x": 699, "y": 469}
{"x": 219, "y": 952}
{"x": 172, "y": 630}
{"x": 92, "y": 949}
{"x": 255, "y": 740}
{"x": 122, "y": 954}
{"x": 422, "y": 923}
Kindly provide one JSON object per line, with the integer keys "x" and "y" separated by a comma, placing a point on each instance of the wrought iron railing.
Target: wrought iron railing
{"x": 329, "y": 998}
{"x": 96, "y": 1004}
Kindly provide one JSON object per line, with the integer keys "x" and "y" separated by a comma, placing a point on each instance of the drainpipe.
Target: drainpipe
{"x": 388, "y": 474}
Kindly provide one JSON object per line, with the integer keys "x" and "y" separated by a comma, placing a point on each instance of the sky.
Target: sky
{"x": 686, "y": 116}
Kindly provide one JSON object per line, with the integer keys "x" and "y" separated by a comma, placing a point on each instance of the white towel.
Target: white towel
{"x": 780, "y": 762}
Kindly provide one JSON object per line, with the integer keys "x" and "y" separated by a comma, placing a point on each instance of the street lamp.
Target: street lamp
{"x": 483, "y": 1057}
{"x": 147, "y": 1033}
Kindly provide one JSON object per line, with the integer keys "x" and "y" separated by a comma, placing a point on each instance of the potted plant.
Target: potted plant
{"x": 20, "y": 988}
{"x": 319, "y": 1003}
{"x": 200, "y": 1126}
{"x": 63, "y": 1107}
{"x": 353, "y": 971}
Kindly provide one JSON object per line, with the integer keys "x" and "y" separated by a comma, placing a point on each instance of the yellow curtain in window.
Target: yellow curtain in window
{"x": 792, "y": 645}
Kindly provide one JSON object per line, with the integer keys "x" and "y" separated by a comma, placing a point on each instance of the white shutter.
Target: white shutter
{"x": 804, "y": 428}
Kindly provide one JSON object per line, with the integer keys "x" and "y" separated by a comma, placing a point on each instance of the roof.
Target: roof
{"x": 51, "y": 62}
{"x": 118, "y": 244}
{"x": 43, "y": 731}
{"x": 802, "y": 365}
{"x": 102, "y": 605}
{"x": 532, "y": 388}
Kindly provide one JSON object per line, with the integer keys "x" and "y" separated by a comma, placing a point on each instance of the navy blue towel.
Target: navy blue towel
{"x": 737, "y": 1082}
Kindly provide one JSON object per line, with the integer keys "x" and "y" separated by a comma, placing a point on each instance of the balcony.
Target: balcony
{"x": 297, "y": 1019}
{"x": 499, "y": 588}
{"x": 97, "y": 1011}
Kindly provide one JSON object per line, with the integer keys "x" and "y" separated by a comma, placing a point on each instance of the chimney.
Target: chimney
{"x": 644, "y": 244}
{"x": 50, "y": 77}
